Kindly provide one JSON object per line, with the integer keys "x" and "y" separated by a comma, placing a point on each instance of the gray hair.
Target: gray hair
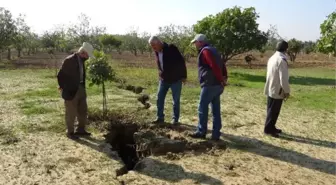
{"x": 154, "y": 39}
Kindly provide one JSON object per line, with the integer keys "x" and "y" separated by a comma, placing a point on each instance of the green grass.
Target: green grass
{"x": 32, "y": 115}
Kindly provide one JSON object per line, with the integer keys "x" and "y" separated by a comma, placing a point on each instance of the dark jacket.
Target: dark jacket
{"x": 68, "y": 77}
{"x": 174, "y": 66}
{"x": 206, "y": 74}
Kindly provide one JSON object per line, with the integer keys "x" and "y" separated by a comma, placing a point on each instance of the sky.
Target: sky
{"x": 299, "y": 19}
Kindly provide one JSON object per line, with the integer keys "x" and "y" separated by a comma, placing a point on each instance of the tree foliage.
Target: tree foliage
{"x": 100, "y": 72}
{"x": 233, "y": 31}
{"x": 109, "y": 41}
{"x": 327, "y": 42}
{"x": 294, "y": 47}
{"x": 7, "y": 30}
{"x": 179, "y": 36}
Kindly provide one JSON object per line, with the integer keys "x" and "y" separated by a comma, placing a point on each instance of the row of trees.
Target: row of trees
{"x": 233, "y": 31}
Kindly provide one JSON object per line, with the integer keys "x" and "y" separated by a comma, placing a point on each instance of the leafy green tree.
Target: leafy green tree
{"x": 309, "y": 47}
{"x": 7, "y": 31}
{"x": 233, "y": 31}
{"x": 109, "y": 41}
{"x": 327, "y": 42}
{"x": 294, "y": 47}
{"x": 100, "y": 72}
{"x": 21, "y": 37}
{"x": 180, "y": 36}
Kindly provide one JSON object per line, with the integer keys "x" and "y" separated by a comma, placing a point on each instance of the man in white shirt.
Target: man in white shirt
{"x": 276, "y": 87}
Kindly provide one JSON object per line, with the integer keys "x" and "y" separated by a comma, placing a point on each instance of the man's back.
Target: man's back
{"x": 277, "y": 76}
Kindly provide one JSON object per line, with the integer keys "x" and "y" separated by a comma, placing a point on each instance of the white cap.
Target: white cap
{"x": 199, "y": 37}
{"x": 88, "y": 48}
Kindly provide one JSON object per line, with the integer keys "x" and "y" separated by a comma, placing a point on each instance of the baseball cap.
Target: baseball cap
{"x": 199, "y": 37}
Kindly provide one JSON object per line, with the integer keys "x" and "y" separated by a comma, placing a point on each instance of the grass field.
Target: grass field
{"x": 34, "y": 149}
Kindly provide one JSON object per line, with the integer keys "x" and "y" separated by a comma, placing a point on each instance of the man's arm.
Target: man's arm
{"x": 209, "y": 59}
{"x": 284, "y": 77}
{"x": 63, "y": 73}
{"x": 181, "y": 61}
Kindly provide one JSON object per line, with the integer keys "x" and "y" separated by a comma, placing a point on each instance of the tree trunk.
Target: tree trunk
{"x": 9, "y": 56}
{"x": 104, "y": 101}
{"x": 19, "y": 53}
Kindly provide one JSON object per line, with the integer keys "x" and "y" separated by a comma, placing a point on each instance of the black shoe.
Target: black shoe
{"x": 82, "y": 133}
{"x": 215, "y": 139}
{"x": 197, "y": 135}
{"x": 158, "y": 121}
{"x": 278, "y": 131}
{"x": 273, "y": 134}
{"x": 72, "y": 136}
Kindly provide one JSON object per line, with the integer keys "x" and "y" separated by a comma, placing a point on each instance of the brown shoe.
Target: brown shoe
{"x": 72, "y": 136}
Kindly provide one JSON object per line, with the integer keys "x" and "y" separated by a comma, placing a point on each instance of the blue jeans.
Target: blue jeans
{"x": 210, "y": 95}
{"x": 176, "y": 89}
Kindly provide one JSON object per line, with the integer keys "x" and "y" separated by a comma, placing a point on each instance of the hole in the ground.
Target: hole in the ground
{"x": 134, "y": 141}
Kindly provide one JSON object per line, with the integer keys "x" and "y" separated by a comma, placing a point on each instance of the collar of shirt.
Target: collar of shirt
{"x": 282, "y": 55}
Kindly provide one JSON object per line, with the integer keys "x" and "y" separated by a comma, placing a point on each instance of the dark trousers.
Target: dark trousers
{"x": 273, "y": 111}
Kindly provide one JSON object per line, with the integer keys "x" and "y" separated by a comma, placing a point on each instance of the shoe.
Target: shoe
{"x": 272, "y": 134}
{"x": 197, "y": 135}
{"x": 278, "y": 131}
{"x": 175, "y": 122}
{"x": 158, "y": 121}
{"x": 215, "y": 139}
{"x": 72, "y": 136}
{"x": 83, "y": 133}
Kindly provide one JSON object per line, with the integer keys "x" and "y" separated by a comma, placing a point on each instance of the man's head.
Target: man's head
{"x": 156, "y": 43}
{"x": 282, "y": 46}
{"x": 85, "y": 51}
{"x": 199, "y": 41}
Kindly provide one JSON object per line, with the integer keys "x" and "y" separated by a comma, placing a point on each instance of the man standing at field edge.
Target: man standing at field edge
{"x": 172, "y": 73}
{"x": 212, "y": 76}
{"x": 71, "y": 81}
{"x": 276, "y": 87}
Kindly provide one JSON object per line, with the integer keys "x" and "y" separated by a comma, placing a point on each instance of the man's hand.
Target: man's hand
{"x": 286, "y": 96}
{"x": 184, "y": 81}
{"x": 224, "y": 82}
{"x": 60, "y": 89}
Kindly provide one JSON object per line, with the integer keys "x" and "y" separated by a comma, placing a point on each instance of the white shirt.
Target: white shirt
{"x": 277, "y": 79}
{"x": 161, "y": 59}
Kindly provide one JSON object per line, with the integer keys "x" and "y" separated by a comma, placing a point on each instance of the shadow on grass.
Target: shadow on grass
{"x": 157, "y": 169}
{"x": 305, "y": 140}
{"x": 298, "y": 80}
{"x": 261, "y": 148}
{"x": 173, "y": 173}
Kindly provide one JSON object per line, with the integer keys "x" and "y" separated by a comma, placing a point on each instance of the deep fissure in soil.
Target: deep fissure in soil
{"x": 135, "y": 141}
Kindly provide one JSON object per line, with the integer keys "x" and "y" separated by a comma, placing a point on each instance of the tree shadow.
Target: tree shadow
{"x": 172, "y": 173}
{"x": 299, "y": 139}
{"x": 261, "y": 148}
{"x": 298, "y": 80}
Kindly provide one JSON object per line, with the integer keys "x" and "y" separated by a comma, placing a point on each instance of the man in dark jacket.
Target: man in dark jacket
{"x": 71, "y": 81}
{"x": 172, "y": 73}
{"x": 212, "y": 75}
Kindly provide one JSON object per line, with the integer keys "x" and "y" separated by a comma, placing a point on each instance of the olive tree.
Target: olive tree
{"x": 233, "y": 31}
{"x": 294, "y": 47}
{"x": 327, "y": 42}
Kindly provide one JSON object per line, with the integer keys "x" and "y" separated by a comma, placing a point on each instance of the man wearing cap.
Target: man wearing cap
{"x": 172, "y": 73}
{"x": 71, "y": 81}
{"x": 276, "y": 87}
{"x": 212, "y": 76}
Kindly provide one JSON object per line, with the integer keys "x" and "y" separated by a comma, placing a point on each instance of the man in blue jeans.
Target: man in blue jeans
{"x": 212, "y": 75}
{"x": 172, "y": 73}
